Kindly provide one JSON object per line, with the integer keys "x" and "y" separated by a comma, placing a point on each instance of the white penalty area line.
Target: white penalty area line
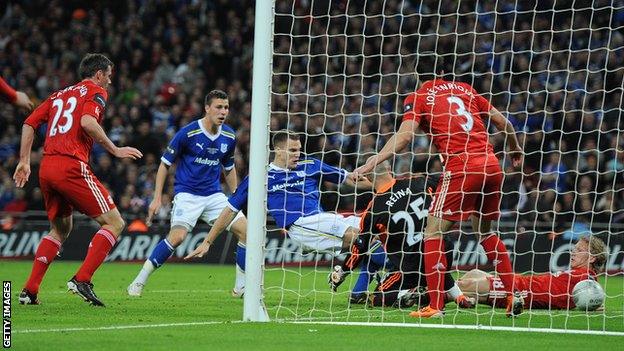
{"x": 120, "y": 327}
{"x": 465, "y": 327}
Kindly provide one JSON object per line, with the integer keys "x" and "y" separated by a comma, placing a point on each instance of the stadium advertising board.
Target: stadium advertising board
{"x": 530, "y": 251}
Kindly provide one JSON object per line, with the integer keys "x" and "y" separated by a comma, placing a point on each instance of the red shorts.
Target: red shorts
{"x": 498, "y": 295}
{"x": 467, "y": 190}
{"x": 68, "y": 184}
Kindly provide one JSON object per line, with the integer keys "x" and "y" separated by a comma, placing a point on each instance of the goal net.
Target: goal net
{"x": 340, "y": 72}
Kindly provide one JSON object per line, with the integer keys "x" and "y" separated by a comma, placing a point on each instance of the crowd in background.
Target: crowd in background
{"x": 340, "y": 72}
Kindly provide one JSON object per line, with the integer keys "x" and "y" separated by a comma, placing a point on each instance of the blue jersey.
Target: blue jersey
{"x": 200, "y": 156}
{"x": 292, "y": 194}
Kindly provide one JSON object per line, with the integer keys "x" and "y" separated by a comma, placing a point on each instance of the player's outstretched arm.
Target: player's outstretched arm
{"x": 225, "y": 218}
{"x": 161, "y": 176}
{"x": 507, "y": 128}
{"x": 95, "y": 131}
{"x": 23, "y": 101}
{"x": 22, "y": 172}
{"x": 17, "y": 98}
{"x": 396, "y": 144}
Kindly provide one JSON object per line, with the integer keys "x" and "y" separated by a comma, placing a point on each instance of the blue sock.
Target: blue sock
{"x": 161, "y": 253}
{"x": 378, "y": 256}
{"x": 367, "y": 271}
{"x": 241, "y": 252}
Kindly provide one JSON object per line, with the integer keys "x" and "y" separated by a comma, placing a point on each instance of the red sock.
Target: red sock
{"x": 99, "y": 247}
{"x": 497, "y": 254}
{"x": 46, "y": 253}
{"x": 435, "y": 268}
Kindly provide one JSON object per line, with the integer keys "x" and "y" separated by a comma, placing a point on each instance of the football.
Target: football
{"x": 588, "y": 295}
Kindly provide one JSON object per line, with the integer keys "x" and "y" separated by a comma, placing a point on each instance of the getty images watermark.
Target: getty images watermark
{"x": 6, "y": 314}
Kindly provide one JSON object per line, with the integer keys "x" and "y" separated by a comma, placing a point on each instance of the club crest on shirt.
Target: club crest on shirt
{"x": 224, "y": 147}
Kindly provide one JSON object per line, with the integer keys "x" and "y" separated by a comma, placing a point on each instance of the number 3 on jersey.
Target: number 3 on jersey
{"x": 65, "y": 111}
{"x": 461, "y": 111}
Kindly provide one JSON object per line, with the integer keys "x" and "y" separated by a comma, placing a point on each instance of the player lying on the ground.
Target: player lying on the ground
{"x": 541, "y": 291}
{"x": 203, "y": 150}
{"x": 398, "y": 212}
{"x": 293, "y": 200}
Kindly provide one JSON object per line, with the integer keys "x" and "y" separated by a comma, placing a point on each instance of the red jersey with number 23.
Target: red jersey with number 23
{"x": 451, "y": 114}
{"x": 63, "y": 111}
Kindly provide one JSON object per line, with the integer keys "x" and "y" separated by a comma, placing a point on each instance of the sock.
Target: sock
{"x": 46, "y": 253}
{"x": 435, "y": 268}
{"x": 497, "y": 254}
{"x": 241, "y": 253}
{"x": 367, "y": 272}
{"x": 454, "y": 292}
{"x": 161, "y": 253}
{"x": 146, "y": 271}
{"x": 378, "y": 256}
{"x": 100, "y": 246}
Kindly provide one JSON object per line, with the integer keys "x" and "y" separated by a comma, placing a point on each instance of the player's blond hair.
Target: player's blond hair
{"x": 597, "y": 250}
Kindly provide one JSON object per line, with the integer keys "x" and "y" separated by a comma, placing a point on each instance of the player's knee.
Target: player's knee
{"x": 239, "y": 228}
{"x": 117, "y": 224}
{"x": 349, "y": 237}
{"x": 176, "y": 236}
{"x": 59, "y": 235}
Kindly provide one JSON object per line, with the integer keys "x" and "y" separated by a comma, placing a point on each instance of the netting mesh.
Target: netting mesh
{"x": 341, "y": 70}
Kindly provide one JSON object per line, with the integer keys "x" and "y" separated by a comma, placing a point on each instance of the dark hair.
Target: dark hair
{"x": 215, "y": 94}
{"x": 92, "y": 63}
{"x": 431, "y": 65}
{"x": 283, "y": 135}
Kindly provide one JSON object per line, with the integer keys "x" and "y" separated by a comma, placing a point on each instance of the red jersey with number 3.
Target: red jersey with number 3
{"x": 451, "y": 114}
{"x": 63, "y": 111}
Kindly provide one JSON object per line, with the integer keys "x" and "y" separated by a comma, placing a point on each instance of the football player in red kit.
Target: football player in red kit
{"x": 73, "y": 115}
{"x": 541, "y": 291}
{"x": 452, "y": 114}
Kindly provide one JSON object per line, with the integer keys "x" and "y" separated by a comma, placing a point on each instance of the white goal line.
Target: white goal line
{"x": 465, "y": 327}
{"x": 312, "y": 322}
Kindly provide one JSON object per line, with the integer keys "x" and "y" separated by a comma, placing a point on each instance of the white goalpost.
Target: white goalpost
{"x": 254, "y": 309}
{"x": 337, "y": 72}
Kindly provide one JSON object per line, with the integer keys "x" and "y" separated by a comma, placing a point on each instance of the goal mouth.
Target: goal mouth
{"x": 342, "y": 75}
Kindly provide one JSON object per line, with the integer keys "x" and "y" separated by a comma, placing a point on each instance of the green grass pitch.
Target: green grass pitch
{"x": 189, "y": 307}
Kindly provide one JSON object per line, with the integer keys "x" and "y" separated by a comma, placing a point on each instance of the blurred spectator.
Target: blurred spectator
{"x": 559, "y": 85}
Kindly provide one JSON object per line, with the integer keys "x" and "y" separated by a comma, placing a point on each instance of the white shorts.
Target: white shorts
{"x": 322, "y": 232}
{"x": 188, "y": 208}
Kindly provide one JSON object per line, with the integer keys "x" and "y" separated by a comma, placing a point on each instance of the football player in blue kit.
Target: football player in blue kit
{"x": 293, "y": 200}
{"x": 201, "y": 150}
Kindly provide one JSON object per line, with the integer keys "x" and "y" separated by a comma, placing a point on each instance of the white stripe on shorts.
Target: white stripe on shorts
{"x": 441, "y": 197}
{"x": 94, "y": 189}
